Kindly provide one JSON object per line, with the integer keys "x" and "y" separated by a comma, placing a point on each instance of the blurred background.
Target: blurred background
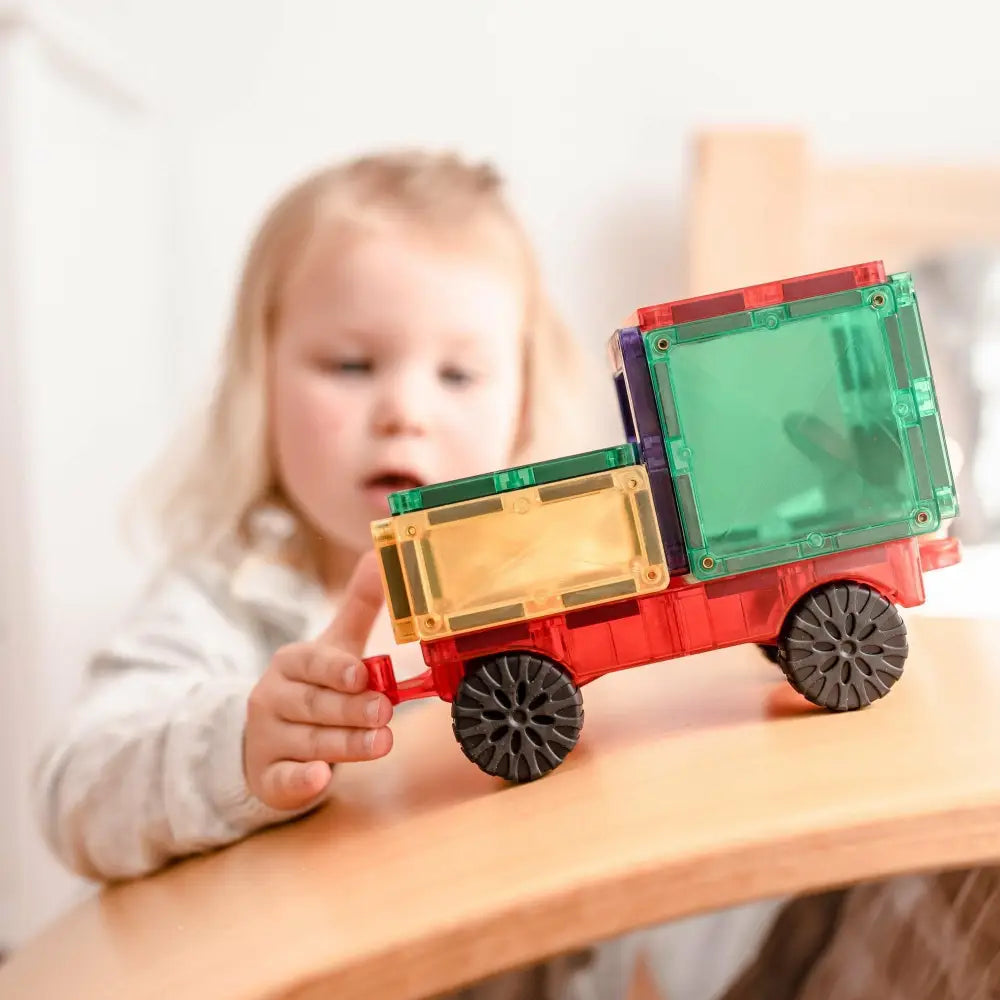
{"x": 655, "y": 150}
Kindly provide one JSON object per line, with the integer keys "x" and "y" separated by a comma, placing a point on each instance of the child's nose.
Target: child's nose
{"x": 401, "y": 409}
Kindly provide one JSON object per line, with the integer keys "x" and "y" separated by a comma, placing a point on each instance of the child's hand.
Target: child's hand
{"x": 312, "y": 706}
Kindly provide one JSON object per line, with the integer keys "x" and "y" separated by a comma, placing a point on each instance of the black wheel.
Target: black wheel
{"x": 517, "y": 715}
{"x": 843, "y": 646}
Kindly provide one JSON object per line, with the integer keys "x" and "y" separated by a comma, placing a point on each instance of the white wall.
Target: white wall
{"x": 587, "y": 106}
{"x": 125, "y": 249}
{"x": 81, "y": 299}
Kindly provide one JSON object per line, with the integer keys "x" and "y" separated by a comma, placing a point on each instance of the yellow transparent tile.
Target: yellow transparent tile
{"x": 521, "y": 554}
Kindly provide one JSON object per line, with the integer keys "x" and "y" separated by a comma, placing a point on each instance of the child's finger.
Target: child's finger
{"x": 321, "y": 706}
{"x": 326, "y": 666}
{"x": 363, "y": 599}
{"x": 290, "y": 784}
{"x": 335, "y": 744}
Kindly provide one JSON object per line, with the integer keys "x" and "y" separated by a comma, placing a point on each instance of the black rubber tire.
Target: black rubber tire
{"x": 517, "y": 715}
{"x": 843, "y": 646}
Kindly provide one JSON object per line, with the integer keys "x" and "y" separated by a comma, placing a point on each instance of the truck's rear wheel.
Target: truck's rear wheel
{"x": 843, "y": 646}
{"x": 517, "y": 715}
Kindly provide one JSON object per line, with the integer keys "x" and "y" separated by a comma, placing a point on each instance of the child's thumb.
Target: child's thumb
{"x": 362, "y": 601}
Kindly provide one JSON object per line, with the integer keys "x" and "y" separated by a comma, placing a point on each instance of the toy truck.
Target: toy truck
{"x": 783, "y": 481}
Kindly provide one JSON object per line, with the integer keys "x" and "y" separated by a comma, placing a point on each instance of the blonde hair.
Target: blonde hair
{"x": 219, "y": 475}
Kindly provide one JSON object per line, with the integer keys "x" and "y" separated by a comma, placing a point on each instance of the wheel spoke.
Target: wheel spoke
{"x": 483, "y": 728}
{"x": 875, "y": 608}
{"x": 554, "y": 735}
{"x": 861, "y": 598}
{"x": 888, "y": 667}
{"x": 491, "y": 674}
{"x": 550, "y": 756}
{"x": 536, "y": 685}
{"x": 499, "y": 750}
{"x": 555, "y": 707}
{"x": 508, "y": 672}
{"x": 873, "y": 678}
{"x": 843, "y": 694}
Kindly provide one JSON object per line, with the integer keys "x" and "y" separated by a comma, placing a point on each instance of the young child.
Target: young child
{"x": 390, "y": 329}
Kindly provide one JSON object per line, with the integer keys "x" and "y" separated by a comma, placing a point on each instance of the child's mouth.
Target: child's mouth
{"x": 378, "y": 487}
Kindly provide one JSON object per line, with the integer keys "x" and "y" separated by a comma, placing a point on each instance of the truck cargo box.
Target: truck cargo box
{"x": 521, "y": 553}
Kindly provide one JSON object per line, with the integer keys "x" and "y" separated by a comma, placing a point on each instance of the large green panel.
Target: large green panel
{"x": 802, "y": 429}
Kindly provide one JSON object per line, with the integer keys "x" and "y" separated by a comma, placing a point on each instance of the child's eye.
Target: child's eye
{"x": 348, "y": 366}
{"x": 452, "y": 375}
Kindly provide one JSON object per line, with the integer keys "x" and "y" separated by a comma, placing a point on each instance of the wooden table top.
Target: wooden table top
{"x": 697, "y": 783}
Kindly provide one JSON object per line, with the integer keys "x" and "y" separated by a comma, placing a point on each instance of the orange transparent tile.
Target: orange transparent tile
{"x": 521, "y": 554}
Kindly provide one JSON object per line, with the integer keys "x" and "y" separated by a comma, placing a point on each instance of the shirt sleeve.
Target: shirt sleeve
{"x": 148, "y": 766}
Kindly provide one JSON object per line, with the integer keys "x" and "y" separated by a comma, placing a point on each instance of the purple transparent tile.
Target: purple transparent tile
{"x": 623, "y": 408}
{"x": 646, "y": 420}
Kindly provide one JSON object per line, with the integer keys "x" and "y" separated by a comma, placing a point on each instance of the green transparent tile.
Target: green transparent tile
{"x": 805, "y": 430}
{"x": 492, "y": 483}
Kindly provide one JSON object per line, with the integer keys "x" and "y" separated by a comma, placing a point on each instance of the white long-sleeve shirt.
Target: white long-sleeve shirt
{"x": 148, "y": 765}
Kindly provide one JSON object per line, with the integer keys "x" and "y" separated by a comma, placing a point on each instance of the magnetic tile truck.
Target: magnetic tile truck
{"x": 783, "y": 476}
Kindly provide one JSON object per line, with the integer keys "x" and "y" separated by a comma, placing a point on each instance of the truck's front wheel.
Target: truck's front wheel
{"x": 517, "y": 715}
{"x": 843, "y": 646}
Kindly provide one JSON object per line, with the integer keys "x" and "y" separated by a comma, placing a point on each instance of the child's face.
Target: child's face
{"x": 395, "y": 365}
